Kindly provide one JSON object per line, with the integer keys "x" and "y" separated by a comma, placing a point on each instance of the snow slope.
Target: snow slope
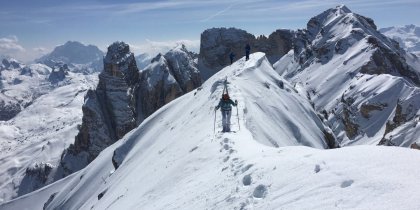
{"x": 174, "y": 161}
{"x": 39, "y": 134}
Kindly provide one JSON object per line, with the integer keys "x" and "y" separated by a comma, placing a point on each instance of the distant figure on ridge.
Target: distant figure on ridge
{"x": 231, "y": 56}
{"x": 247, "y": 51}
{"x": 226, "y": 107}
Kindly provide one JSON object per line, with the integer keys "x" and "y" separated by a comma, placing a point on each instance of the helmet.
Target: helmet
{"x": 225, "y": 96}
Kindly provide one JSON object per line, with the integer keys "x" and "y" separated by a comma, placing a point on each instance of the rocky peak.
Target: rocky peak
{"x": 184, "y": 68}
{"x": 336, "y": 50}
{"x": 58, "y": 74}
{"x": 79, "y": 57}
{"x": 217, "y": 43}
{"x": 336, "y": 30}
{"x": 157, "y": 58}
{"x": 109, "y": 111}
{"x": 117, "y": 52}
{"x": 166, "y": 78}
{"x": 120, "y": 62}
{"x": 11, "y": 63}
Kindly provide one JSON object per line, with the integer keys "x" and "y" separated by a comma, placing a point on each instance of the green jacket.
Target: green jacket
{"x": 226, "y": 105}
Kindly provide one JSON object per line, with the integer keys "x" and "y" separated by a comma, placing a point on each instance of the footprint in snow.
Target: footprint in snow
{"x": 317, "y": 168}
{"x": 260, "y": 191}
{"x": 347, "y": 183}
{"x": 247, "y": 180}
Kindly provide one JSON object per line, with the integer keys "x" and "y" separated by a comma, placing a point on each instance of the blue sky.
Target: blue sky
{"x": 29, "y": 28}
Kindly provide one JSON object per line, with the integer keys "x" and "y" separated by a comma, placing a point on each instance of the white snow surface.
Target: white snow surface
{"x": 41, "y": 131}
{"x": 174, "y": 161}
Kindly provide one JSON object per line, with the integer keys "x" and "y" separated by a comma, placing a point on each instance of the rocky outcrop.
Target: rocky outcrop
{"x": 10, "y": 64}
{"x": 58, "y": 74}
{"x": 35, "y": 177}
{"x": 125, "y": 97}
{"x": 168, "y": 77}
{"x": 109, "y": 111}
{"x": 217, "y": 43}
{"x": 8, "y": 111}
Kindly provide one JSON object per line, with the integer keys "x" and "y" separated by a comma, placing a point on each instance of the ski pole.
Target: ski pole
{"x": 214, "y": 125}
{"x": 237, "y": 115}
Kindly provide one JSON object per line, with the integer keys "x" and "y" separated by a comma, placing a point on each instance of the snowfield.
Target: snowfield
{"x": 276, "y": 160}
{"x": 39, "y": 134}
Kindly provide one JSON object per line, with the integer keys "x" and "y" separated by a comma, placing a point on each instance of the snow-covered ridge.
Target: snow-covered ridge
{"x": 188, "y": 167}
{"x": 363, "y": 82}
{"x": 271, "y": 108}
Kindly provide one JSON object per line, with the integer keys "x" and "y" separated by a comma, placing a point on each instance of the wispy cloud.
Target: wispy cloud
{"x": 218, "y": 13}
{"x": 9, "y": 45}
{"x": 41, "y": 50}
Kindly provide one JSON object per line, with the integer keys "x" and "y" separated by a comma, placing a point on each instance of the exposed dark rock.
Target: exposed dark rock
{"x": 58, "y": 74}
{"x": 10, "y": 64}
{"x": 365, "y": 109}
{"x": 330, "y": 140}
{"x": 35, "y": 177}
{"x": 8, "y": 111}
{"x": 415, "y": 146}
{"x": 217, "y": 43}
{"x": 109, "y": 111}
{"x": 350, "y": 127}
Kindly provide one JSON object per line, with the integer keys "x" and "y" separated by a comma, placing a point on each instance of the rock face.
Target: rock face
{"x": 35, "y": 177}
{"x": 168, "y": 77}
{"x": 79, "y": 57}
{"x": 217, "y": 43}
{"x": 361, "y": 80}
{"x": 109, "y": 111}
{"x": 124, "y": 97}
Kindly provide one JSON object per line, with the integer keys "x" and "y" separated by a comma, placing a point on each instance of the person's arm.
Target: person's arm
{"x": 218, "y": 106}
{"x": 233, "y": 103}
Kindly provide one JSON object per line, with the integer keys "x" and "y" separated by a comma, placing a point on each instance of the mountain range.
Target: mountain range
{"x": 77, "y": 56}
{"x": 149, "y": 138}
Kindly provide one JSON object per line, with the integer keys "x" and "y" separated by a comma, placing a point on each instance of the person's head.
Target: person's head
{"x": 225, "y": 96}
